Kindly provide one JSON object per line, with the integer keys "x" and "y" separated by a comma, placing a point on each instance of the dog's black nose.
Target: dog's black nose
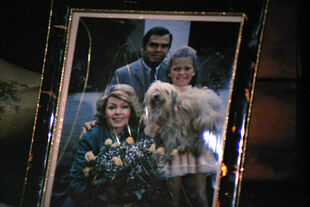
{"x": 156, "y": 97}
{"x": 155, "y": 100}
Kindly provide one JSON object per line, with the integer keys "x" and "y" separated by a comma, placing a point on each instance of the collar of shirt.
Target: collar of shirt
{"x": 148, "y": 68}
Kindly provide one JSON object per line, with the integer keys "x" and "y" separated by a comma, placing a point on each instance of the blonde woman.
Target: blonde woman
{"x": 118, "y": 115}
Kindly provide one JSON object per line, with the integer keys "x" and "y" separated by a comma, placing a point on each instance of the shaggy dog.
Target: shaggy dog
{"x": 178, "y": 120}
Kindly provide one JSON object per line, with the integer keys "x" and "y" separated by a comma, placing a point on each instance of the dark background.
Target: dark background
{"x": 276, "y": 165}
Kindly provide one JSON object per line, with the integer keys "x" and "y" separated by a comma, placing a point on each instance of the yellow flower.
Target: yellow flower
{"x": 152, "y": 148}
{"x": 161, "y": 150}
{"x": 129, "y": 140}
{"x": 117, "y": 161}
{"x": 174, "y": 152}
{"x": 108, "y": 142}
{"x": 86, "y": 171}
{"x": 89, "y": 156}
{"x": 233, "y": 129}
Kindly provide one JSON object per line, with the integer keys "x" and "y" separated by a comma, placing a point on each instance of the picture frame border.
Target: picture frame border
{"x": 51, "y": 93}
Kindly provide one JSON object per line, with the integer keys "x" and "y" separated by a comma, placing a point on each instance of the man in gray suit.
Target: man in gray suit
{"x": 151, "y": 66}
{"x": 142, "y": 72}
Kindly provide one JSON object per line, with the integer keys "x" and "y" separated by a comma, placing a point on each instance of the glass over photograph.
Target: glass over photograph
{"x": 143, "y": 109}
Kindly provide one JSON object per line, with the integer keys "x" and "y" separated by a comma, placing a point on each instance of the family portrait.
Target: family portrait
{"x": 143, "y": 109}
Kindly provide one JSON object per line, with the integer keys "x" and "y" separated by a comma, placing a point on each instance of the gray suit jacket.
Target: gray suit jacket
{"x": 135, "y": 74}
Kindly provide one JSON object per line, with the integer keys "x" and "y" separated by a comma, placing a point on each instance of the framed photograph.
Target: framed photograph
{"x": 99, "y": 49}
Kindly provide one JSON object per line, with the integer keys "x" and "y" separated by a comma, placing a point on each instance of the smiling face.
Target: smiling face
{"x": 182, "y": 71}
{"x": 117, "y": 114}
{"x": 156, "y": 49}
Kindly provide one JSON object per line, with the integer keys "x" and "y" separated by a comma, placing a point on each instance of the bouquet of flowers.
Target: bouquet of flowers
{"x": 130, "y": 172}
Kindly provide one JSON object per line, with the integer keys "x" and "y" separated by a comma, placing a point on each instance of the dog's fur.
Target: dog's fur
{"x": 177, "y": 120}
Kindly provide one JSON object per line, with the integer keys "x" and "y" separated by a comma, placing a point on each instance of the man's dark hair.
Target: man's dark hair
{"x": 156, "y": 31}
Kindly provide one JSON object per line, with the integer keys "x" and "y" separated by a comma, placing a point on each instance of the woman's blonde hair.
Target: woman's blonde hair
{"x": 126, "y": 93}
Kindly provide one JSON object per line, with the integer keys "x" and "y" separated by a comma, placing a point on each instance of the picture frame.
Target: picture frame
{"x": 94, "y": 40}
